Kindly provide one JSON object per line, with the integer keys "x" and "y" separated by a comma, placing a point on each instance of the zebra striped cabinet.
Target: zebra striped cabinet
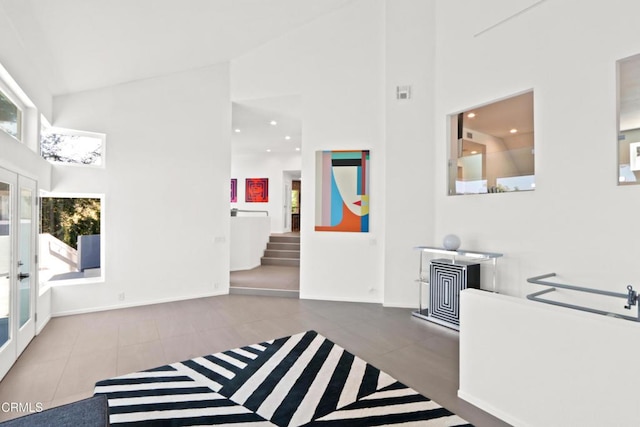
{"x": 447, "y": 279}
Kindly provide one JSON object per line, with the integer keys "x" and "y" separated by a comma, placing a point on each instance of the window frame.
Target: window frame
{"x": 11, "y": 96}
{"x": 85, "y": 280}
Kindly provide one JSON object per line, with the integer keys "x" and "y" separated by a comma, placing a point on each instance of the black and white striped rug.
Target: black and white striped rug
{"x": 300, "y": 380}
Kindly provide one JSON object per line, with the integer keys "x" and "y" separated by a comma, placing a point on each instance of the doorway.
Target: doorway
{"x": 18, "y": 214}
{"x": 295, "y": 205}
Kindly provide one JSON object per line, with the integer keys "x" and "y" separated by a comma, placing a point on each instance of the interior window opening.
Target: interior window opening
{"x": 492, "y": 148}
{"x": 70, "y": 238}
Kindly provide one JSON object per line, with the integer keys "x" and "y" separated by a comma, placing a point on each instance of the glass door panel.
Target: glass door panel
{"x": 25, "y": 246}
{"x": 5, "y": 262}
{"x": 8, "y": 324}
{"x": 25, "y": 274}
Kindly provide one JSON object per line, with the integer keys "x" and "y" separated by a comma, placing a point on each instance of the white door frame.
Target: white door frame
{"x": 19, "y": 337}
{"x": 8, "y": 353}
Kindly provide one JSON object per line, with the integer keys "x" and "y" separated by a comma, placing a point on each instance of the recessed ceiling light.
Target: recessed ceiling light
{"x": 474, "y": 152}
{"x": 236, "y": 130}
{"x": 297, "y": 148}
{"x": 287, "y": 137}
{"x": 268, "y": 150}
{"x": 273, "y": 123}
{"x": 471, "y": 115}
{"x": 514, "y": 131}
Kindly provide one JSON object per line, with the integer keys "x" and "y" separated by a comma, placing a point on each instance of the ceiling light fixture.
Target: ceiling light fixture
{"x": 471, "y": 115}
{"x": 297, "y": 148}
{"x": 236, "y": 130}
{"x": 287, "y": 137}
{"x": 514, "y": 130}
{"x": 273, "y": 123}
{"x": 268, "y": 150}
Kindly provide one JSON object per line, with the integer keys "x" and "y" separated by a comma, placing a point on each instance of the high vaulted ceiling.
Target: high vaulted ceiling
{"x": 86, "y": 44}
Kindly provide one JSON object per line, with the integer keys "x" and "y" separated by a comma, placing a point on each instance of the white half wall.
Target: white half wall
{"x": 336, "y": 65}
{"x": 166, "y": 211}
{"x": 249, "y": 237}
{"x": 532, "y": 364}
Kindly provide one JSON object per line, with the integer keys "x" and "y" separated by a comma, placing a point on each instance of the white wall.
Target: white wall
{"x": 410, "y": 47}
{"x": 532, "y": 364}
{"x": 336, "y": 64}
{"x": 265, "y": 165}
{"x": 14, "y": 58}
{"x": 577, "y": 222}
{"x": 166, "y": 181}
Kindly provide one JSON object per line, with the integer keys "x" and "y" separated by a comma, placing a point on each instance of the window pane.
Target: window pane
{"x": 10, "y": 117}
{"x": 71, "y": 148}
{"x": 70, "y": 238}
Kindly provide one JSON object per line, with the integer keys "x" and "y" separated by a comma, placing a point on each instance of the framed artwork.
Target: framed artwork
{"x": 257, "y": 190}
{"x": 342, "y": 191}
{"x": 634, "y": 156}
{"x": 234, "y": 190}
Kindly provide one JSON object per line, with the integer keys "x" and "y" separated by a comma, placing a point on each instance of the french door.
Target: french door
{"x": 18, "y": 228}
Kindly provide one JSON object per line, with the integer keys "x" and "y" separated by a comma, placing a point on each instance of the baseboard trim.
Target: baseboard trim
{"x": 481, "y": 404}
{"x": 284, "y": 293}
{"x": 42, "y": 324}
{"x": 138, "y": 304}
{"x": 337, "y": 299}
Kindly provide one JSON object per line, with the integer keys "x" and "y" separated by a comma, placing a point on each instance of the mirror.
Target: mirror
{"x": 492, "y": 147}
{"x": 629, "y": 120}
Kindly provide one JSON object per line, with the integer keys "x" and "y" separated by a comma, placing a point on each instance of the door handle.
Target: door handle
{"x": 22, "y": 276}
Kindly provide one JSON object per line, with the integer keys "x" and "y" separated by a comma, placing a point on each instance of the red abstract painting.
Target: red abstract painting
{"x": 257, "y": 190}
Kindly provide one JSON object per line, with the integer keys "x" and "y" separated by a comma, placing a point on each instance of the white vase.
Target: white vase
{"x": 451, "y": 242}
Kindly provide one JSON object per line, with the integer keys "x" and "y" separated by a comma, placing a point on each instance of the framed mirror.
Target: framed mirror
{"x": 492, "y": 147}
{"x": 629, "y": 120}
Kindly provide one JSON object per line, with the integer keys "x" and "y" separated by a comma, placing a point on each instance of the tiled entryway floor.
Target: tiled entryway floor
{"x": 63, "y": 363}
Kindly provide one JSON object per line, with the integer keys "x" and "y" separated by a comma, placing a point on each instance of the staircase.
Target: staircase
{"x": 282, "y": 250}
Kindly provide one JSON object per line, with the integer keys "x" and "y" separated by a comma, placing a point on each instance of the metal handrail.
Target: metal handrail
{"x": 248, "y": 210}
{"x": 631, "y": 296}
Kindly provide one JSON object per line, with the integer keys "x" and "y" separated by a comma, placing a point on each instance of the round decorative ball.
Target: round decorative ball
{"x": 451, "y": 242}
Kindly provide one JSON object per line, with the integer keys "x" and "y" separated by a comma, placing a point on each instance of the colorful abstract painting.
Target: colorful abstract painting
{"x": 234, "y": 190}
{"x": 342, "y": 191}
{"x": 257, "y": 190}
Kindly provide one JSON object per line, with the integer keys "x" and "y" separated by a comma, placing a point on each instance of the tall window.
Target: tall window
{"x": 10, "y": 117}
{"x": 71, "y": 146}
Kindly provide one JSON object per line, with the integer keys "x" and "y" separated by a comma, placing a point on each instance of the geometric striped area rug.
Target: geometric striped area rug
{"x": 302, "y": 380}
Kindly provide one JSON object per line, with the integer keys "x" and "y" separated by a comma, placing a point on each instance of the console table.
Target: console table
{"x": 443, "y": 299}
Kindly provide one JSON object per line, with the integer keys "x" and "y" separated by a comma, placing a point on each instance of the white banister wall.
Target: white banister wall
{"x": 533, "y": 364}
{"x": 249, "y": 236}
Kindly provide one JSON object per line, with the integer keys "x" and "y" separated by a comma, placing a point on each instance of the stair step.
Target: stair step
{"x": 284, "y": 239}
{"x": 271, "y": 253}
{"x": 283, "y": 246}
{"x": 291, "y": 262}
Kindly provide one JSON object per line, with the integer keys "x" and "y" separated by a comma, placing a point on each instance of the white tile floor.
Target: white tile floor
{"x": 63, "y": 363}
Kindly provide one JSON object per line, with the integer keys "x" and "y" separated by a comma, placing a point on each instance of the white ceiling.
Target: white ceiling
{"x": 86, "y": 44}
{"x": 253, "y": 119}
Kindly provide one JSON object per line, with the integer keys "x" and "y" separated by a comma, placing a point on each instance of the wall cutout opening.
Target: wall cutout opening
{"x": 629, "y": 121}
{"x": 70, "y": 238}
{"x": 492, "y": 148}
